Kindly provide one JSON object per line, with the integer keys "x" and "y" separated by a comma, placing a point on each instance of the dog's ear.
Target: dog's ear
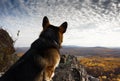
{"x": 63, "y": 27}
{"x": 45, "y": 23}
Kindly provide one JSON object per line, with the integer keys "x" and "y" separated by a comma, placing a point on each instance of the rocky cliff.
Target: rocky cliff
{"x": 6, "y": 49}
{"x": 71, "y": 70}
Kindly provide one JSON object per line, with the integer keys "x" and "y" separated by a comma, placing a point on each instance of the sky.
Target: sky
{"x": 91, "y": 23}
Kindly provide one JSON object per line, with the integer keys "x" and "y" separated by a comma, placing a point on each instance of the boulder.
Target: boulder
{"x": 6, "y": 50}
{"x": 71, "y": 70}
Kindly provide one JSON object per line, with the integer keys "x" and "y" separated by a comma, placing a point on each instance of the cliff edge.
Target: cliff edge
{"x": 6, "y": 50}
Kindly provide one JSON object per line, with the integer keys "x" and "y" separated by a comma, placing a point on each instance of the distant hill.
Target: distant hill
{"x": 21, "y": 49}
{"x": 82, "y": 51}
{"x": 91, "y": 51}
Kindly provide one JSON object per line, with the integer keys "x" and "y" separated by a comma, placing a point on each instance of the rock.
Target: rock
{"x": 91, "y": 78}
{"x": 71, "y": 70}
{"x": 6, "y": 49}
{"x": 1, "y": 73}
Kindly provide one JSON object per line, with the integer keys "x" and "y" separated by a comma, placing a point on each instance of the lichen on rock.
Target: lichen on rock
{"x": 6, "y": 50}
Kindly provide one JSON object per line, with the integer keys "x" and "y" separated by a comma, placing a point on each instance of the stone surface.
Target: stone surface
{"x": 6, "y": 49}
{"x": 71, "y": 70}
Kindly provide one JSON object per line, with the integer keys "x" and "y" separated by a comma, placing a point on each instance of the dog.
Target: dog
{"x": 42, "y": 58}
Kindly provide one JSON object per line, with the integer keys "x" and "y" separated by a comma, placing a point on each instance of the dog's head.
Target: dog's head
{"x": 53, "y": 33}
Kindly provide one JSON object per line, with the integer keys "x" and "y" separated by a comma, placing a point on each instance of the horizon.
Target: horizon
{"x": 64, "y": 46}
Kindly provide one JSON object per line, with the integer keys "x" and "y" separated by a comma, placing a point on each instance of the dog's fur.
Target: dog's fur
{"x": 40, "y": 61}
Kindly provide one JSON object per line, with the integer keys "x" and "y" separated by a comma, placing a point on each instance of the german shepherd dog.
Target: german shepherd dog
{"x": 40, "y": 61}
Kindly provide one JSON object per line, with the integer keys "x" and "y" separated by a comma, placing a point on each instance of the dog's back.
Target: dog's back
{"x": 40, "y": 61}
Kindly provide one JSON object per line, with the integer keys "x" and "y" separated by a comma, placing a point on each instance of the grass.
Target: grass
{"x": 105, "y": 68}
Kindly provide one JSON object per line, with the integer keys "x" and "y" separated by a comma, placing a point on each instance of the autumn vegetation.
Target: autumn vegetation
{"x": 104, "y": 68}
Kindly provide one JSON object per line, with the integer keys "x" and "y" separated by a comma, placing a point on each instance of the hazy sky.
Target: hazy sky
{"x": 90, "y": 23}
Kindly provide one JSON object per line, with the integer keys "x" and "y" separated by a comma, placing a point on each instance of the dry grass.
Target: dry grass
{"x": 106, "y": 68}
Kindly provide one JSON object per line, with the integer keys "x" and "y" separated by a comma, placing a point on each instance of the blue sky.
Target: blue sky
{"x": 89, "y": 23}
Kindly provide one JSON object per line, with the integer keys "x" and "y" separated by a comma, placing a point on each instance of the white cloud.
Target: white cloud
{"x": 86, "y": 26}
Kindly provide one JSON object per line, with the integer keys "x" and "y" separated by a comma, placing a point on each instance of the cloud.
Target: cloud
{"x": 88, "y": 24}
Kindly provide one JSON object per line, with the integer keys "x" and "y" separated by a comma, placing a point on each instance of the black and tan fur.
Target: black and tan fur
{"x": 40, "y": 61}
